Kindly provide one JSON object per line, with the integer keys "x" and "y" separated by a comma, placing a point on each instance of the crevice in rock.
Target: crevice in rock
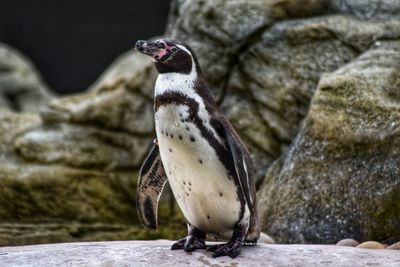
{"x": 12, "y": 101}
{"x": 235, "y": 53}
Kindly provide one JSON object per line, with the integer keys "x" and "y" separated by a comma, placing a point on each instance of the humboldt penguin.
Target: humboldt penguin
{"x": 200, "y": 154}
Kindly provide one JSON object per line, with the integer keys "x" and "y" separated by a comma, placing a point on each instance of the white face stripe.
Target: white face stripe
{"x": 186, "y": 50}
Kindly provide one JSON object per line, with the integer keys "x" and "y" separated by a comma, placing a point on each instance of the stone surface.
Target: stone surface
{"x": 340, "y": 177}
{"x": 158, "y": 253}
{"x": 21, "y": 87}
{"x": 347, "y": 243}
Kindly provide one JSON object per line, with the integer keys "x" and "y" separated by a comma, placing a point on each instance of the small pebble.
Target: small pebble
{"x": 395, "y": 246}
{"x": 348, "y": 242}
{"x": 371, "y": 245}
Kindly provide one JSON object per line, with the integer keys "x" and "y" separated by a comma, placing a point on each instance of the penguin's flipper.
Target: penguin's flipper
{"x": 241, "y": 158}
{"x": 151, "y": 181}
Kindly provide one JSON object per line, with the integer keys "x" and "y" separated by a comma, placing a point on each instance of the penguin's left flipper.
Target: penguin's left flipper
{"x": 151, "y": 181}
{"x": 240, "y": 157}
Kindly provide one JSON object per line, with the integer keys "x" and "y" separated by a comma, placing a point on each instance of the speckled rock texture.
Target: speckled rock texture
{"x": 340, "y": 177}
{"x": 21, "y": 87}
{"x": 266, "y": 61}
{"x": 158, "y": 253}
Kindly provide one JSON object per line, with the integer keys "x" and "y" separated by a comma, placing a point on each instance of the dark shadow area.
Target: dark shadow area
{"x": 72, "y": 42}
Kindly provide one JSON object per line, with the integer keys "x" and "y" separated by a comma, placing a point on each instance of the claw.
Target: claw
{"x": 179, "y": 244}
{"x": 213, "y": 248}
{"x": 231, "y": 249}
{"x": 194, "y": 243}
{"x": 189, "y": 244}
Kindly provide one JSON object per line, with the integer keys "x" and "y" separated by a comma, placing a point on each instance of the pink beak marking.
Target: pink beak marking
{"x": 162, "y": 52}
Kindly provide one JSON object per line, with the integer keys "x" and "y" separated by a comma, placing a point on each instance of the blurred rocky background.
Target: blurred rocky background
{"x": 313, "y": 88}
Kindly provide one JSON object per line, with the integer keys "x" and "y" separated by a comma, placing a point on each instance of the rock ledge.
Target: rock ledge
{"x": 158, "y": 253}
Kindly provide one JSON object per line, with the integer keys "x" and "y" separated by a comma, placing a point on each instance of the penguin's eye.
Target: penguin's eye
{"x": 174, "y": 49}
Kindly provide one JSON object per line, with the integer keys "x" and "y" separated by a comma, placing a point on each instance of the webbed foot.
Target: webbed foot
{"x": 231, "y": 249}
{"x": 234, "y": 246}
{"x": 195, "y": 240}
{"x": 189, "y": 244}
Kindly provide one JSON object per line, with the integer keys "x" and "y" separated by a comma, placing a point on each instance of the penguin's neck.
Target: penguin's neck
{"x": 187, "y": 91}
{"x": 191, "y": 85}
{"x": 180, "y": 83}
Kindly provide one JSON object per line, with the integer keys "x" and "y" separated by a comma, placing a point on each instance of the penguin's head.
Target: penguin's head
{"x": 169, "y": 55}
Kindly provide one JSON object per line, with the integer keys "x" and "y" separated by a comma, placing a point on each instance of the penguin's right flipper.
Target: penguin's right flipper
{"x": 151, "y": 181}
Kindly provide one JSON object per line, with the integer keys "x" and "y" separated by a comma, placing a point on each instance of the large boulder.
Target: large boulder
{"x": 341, "y": 176}
{"x": 21, "y": 87}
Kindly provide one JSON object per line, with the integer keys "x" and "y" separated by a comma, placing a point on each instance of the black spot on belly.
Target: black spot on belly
{"x": 187, "y": 194}
{"x": 220, "y": 194}
{"x": 166, "y": 134}
{"x": 208, "y": 217}
{"x": 180, "y": 115}
{"x": 180, "y": 137}
{"x": 192, "y": 138}
{"x": 170, "y": 150}
{"x": 190, "y": 189}
{"x": 162, "y": 132}
{"x": 184, "y": 182}
{"x": 187, "y": 128}
{"x": 201, "y": 161}
{"x": 172, "y": 136}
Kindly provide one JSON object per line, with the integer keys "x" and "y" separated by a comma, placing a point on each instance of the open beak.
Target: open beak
{"x": 149, "y": 48}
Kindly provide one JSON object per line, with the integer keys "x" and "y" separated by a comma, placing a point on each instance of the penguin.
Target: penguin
{"x": 199, "y": 153}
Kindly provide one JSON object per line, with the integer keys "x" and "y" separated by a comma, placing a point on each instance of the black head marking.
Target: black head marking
{"x": 169, "y": 56}
{"x": 179, "y": 61}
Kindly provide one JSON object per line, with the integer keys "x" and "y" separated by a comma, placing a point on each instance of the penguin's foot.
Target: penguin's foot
{"x": 231, "y": 249}
{"x": 189, "y": 243}
{"x": 234, "y": 246}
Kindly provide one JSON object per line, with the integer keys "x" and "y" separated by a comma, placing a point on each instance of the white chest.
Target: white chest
{"x": 199, "y": 181}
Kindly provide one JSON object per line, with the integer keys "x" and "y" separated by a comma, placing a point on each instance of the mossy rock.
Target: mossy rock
{"x": 341, "y": 178}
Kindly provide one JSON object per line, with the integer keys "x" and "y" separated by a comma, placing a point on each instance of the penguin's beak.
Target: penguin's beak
{"x": 149, "y": 48}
